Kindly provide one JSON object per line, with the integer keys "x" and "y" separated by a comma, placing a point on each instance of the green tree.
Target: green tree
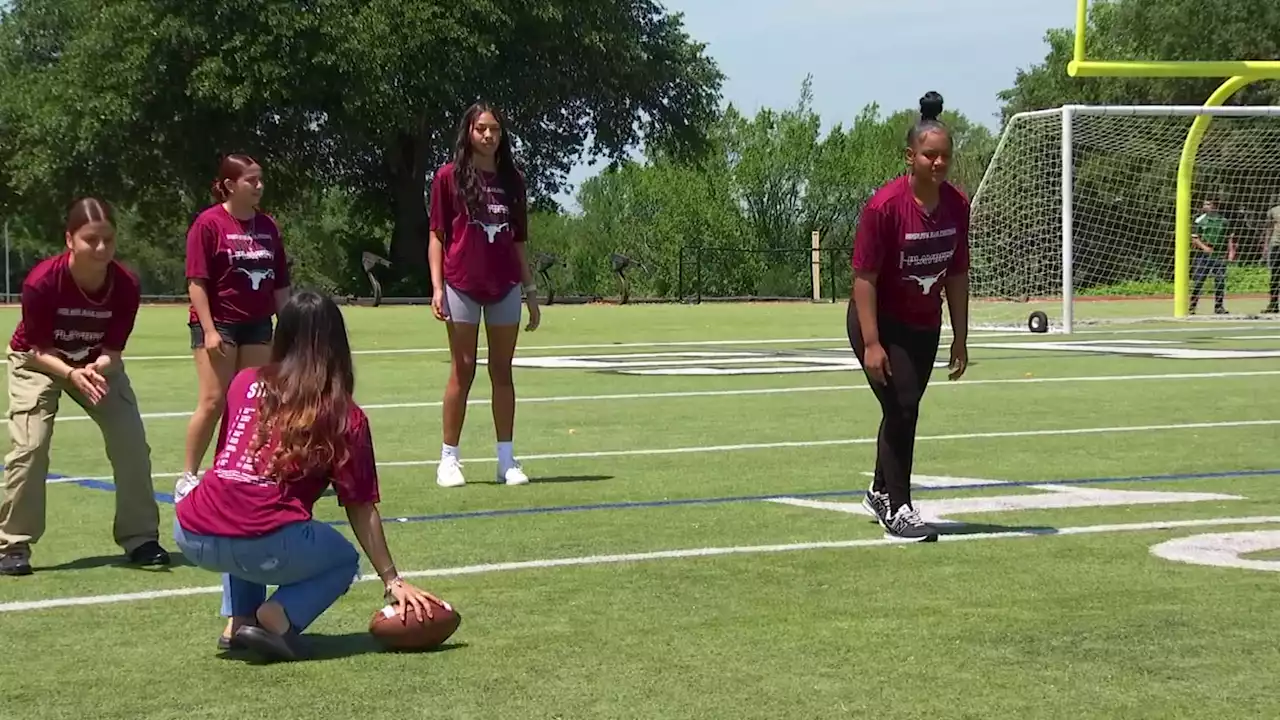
{"x": 136, "y": 99}
{"x": 737, "y": 220}
{"x": 1153, "y": 30}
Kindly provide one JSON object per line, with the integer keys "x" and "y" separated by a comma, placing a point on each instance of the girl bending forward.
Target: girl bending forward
{"x": 291, "y": 430}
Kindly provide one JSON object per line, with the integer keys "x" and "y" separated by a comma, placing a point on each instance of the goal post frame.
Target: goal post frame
{"x": 1240, "y": 74}
{"x": 1202, "y": 114}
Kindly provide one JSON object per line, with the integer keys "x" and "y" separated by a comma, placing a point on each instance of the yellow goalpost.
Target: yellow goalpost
{"x": 1239, "y": 74}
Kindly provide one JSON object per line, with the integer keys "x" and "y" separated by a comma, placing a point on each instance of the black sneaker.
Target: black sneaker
{"x": 231, "y": 643}
{"x": 15, "y": 563}
{"x": 877, "y": 504}
{"x": 149, "y": 554}
{"x": 270, "y": 645}
{"x": 906, "y": 524}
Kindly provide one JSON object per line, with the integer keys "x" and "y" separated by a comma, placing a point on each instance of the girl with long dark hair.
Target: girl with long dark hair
{"x": 479, "y": 225}
{"x": 292, "y": 430}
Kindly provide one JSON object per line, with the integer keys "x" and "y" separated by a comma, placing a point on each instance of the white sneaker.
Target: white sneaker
{"x": 449, "y": 473}
{"x": 185, "y": 484}
{"x": 513, "y": 475}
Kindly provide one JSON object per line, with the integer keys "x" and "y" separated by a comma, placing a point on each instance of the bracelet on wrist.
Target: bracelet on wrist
{"x": 395, "y": 581}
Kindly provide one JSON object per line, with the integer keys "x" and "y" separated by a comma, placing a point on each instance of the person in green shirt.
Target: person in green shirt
{"x": 1271, "y": 254}
{"x": 1207, "y": 235}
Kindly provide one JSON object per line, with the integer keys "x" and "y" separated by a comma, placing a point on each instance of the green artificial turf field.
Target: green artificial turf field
{"x": 691, "y": 547}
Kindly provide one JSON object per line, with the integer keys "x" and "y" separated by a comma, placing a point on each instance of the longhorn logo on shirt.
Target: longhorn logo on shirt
{"x": 76, "y": 355}
{"x": 257, "y": 276}
{"x": 491, "y": 230}
{"x": 928, "y": 281}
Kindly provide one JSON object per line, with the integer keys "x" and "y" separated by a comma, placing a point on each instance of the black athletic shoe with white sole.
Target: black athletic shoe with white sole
{"x": 906, "y": 524}
{"x": 15, "y": 563}
{"x": 877, "y": 503}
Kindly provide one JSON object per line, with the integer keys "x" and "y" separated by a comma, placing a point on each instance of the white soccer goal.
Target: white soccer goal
{"x": 1075, "y": 216}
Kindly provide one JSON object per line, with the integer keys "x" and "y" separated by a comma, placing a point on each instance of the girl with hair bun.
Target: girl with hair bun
{"x": 912, "y": 244}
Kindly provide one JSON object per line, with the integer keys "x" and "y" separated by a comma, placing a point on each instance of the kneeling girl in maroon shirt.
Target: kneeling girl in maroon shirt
{"x": 292, "y": 429}
{"x": 78, "y": 310}
{"x": 912, "y": 244}
{"x": 479, "y": 224}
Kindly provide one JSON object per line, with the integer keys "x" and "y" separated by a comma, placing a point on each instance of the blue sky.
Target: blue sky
{"x": 862, "y": 51}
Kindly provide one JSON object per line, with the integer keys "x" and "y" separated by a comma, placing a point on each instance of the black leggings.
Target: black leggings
{"x": 911, "y": 353}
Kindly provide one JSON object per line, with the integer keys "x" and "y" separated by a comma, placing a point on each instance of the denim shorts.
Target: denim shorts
{"x": 251, "y": 332}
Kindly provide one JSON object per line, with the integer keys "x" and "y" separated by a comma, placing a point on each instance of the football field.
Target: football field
{"x": 691, "y": 545}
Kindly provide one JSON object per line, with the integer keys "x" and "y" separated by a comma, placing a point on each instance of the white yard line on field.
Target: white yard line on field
{"x": 794, "y": 444}
{"x": 69, "y": 417}
{"x": 591, "y": 560}
{"x": 976, "y": 334}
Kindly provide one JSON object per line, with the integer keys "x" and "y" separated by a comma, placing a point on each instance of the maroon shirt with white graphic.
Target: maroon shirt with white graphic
{"x": 58, "y": 315}
{"x": 480, "y": 257}
{"x": 912, "y": 251}
{"x": 235, "y": 499}
{"x": 242, "y": 262}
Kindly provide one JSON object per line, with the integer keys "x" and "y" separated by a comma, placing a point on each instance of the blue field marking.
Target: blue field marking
{"x": 642, "y": 504}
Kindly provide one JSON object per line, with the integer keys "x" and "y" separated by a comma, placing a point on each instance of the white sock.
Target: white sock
{"x": 449, "y": 451}
{"x": 506, "y": 455}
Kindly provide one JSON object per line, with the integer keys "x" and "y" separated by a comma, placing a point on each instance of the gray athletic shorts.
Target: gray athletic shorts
{"x": 462, "y": 309}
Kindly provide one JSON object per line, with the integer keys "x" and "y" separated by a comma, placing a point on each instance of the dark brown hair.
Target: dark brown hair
{"x": 469, "y": 177}
{"x": 230, "y": 170}
{"x": 88, "y": 210}
{"x": 930, "y": 111}
{"x": 306, "y": 398}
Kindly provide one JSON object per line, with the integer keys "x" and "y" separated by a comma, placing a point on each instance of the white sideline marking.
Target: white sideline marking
{"x": 945, "y": 481}
{"x": 803, "y": 444}
{"x": 767, "y": 391}
{"x": 974, "y": 334}
{"x": 1053, "y": 497}
{"x": 1222, "y": 550}
{"x": 590, "y": 346}
{"x": 588, "y": 560}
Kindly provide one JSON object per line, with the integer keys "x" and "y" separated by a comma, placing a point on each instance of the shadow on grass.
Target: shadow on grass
{"x": 120, "y": 561}
{"x": 983, "y": 528}
{"x": 337, "y": 647}
{"x": 570, "y": 478}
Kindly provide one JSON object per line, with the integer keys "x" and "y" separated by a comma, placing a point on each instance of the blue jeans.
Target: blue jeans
{"x": 311, "y": 562}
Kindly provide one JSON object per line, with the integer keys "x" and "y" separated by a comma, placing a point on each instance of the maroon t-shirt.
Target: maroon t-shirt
{"x": 242, "y": 262}
{"x": 912, "y": 250}
{"x": 233, "y": 499}
{"x": 480, "y": 257}
{"x": 57, "y": 313}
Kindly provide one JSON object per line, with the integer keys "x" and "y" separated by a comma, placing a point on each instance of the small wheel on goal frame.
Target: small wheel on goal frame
{"x": 1038, "y": 322}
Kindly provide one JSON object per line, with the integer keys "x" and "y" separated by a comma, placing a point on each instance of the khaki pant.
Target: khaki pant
{"x": 33, "y": 404}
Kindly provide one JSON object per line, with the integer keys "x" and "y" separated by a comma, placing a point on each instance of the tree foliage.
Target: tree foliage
{"x": 136, "y": 99}
{"x": 1153, "y": 30}
{"x": 738, "y": 221}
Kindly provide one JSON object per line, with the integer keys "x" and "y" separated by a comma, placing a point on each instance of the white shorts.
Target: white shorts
{"x": 462, "y": 309}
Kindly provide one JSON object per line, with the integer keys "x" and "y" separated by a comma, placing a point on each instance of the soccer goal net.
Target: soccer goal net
{"x": 1076, "y": 214}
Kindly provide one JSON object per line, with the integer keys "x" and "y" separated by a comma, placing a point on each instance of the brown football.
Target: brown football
{"x": 408, "y": 633}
